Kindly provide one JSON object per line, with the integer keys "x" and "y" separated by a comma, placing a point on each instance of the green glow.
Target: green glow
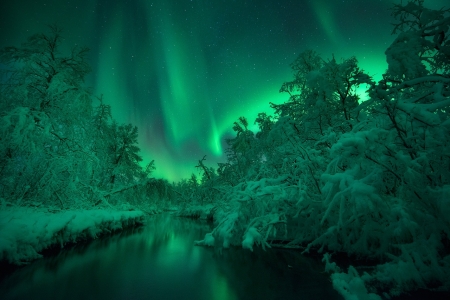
{"x": 258, "y": 102}
{"x": 184, "y": 71}
{"x": 202, "y": 90}
{"x": 324, "y": 13}
{"x": 110, "y": 81}
{"x": 182, "y": 83}
{"x": 215, "y": 144}
{"x": 220, "y": 288}
{"x": 168, "y": 166}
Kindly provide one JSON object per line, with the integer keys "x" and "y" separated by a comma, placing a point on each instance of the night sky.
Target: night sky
{"x": 184, "y": 70}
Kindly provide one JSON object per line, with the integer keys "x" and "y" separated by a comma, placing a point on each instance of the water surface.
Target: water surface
{"x": 160, "y": 261}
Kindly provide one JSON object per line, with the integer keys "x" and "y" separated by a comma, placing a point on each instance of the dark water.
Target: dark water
{"x": 160, "y": 261}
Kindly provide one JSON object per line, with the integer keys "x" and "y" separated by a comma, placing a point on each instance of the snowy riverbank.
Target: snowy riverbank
{"x": 25, "y": 232}
{"x": 205, "y": 212}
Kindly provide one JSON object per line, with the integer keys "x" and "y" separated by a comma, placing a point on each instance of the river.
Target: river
{"x": 160, "y": 261}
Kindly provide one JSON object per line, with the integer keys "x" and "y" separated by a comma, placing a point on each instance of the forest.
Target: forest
{"x": 326, "y": 173}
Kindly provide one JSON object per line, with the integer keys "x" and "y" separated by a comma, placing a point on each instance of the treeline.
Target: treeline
{"x": 334, "y": 174}
{"x": 59, "y": 145}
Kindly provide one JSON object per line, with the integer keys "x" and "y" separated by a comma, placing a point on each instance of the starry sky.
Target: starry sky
{"x": 184, "y": 70}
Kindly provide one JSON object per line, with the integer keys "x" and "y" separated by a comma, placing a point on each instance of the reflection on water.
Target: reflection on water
{"x": 159, "y": 261}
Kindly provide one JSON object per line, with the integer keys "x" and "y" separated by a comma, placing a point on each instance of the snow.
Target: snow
{"x": 197, "y": 211}
{"x": 25, "y": 232}
{"x": 222, "y": 236}
{"x": 251, "y": 236}
{"x": 351, "y": 286}
{"x": 209, "y": 240}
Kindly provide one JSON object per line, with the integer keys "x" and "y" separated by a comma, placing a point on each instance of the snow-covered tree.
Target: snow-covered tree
{"x": 371, "y": 179}
{"x": 422, "y": 45}
{"x": 124, "y": 154}
{"x": 56, "y": 148}
{"x": 45, "y": 119}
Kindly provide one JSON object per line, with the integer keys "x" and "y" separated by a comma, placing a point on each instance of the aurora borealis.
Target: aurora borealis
{"x": 184, "y": 70}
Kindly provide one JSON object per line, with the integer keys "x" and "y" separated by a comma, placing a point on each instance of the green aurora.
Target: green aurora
{"x": 184, "y": 71}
